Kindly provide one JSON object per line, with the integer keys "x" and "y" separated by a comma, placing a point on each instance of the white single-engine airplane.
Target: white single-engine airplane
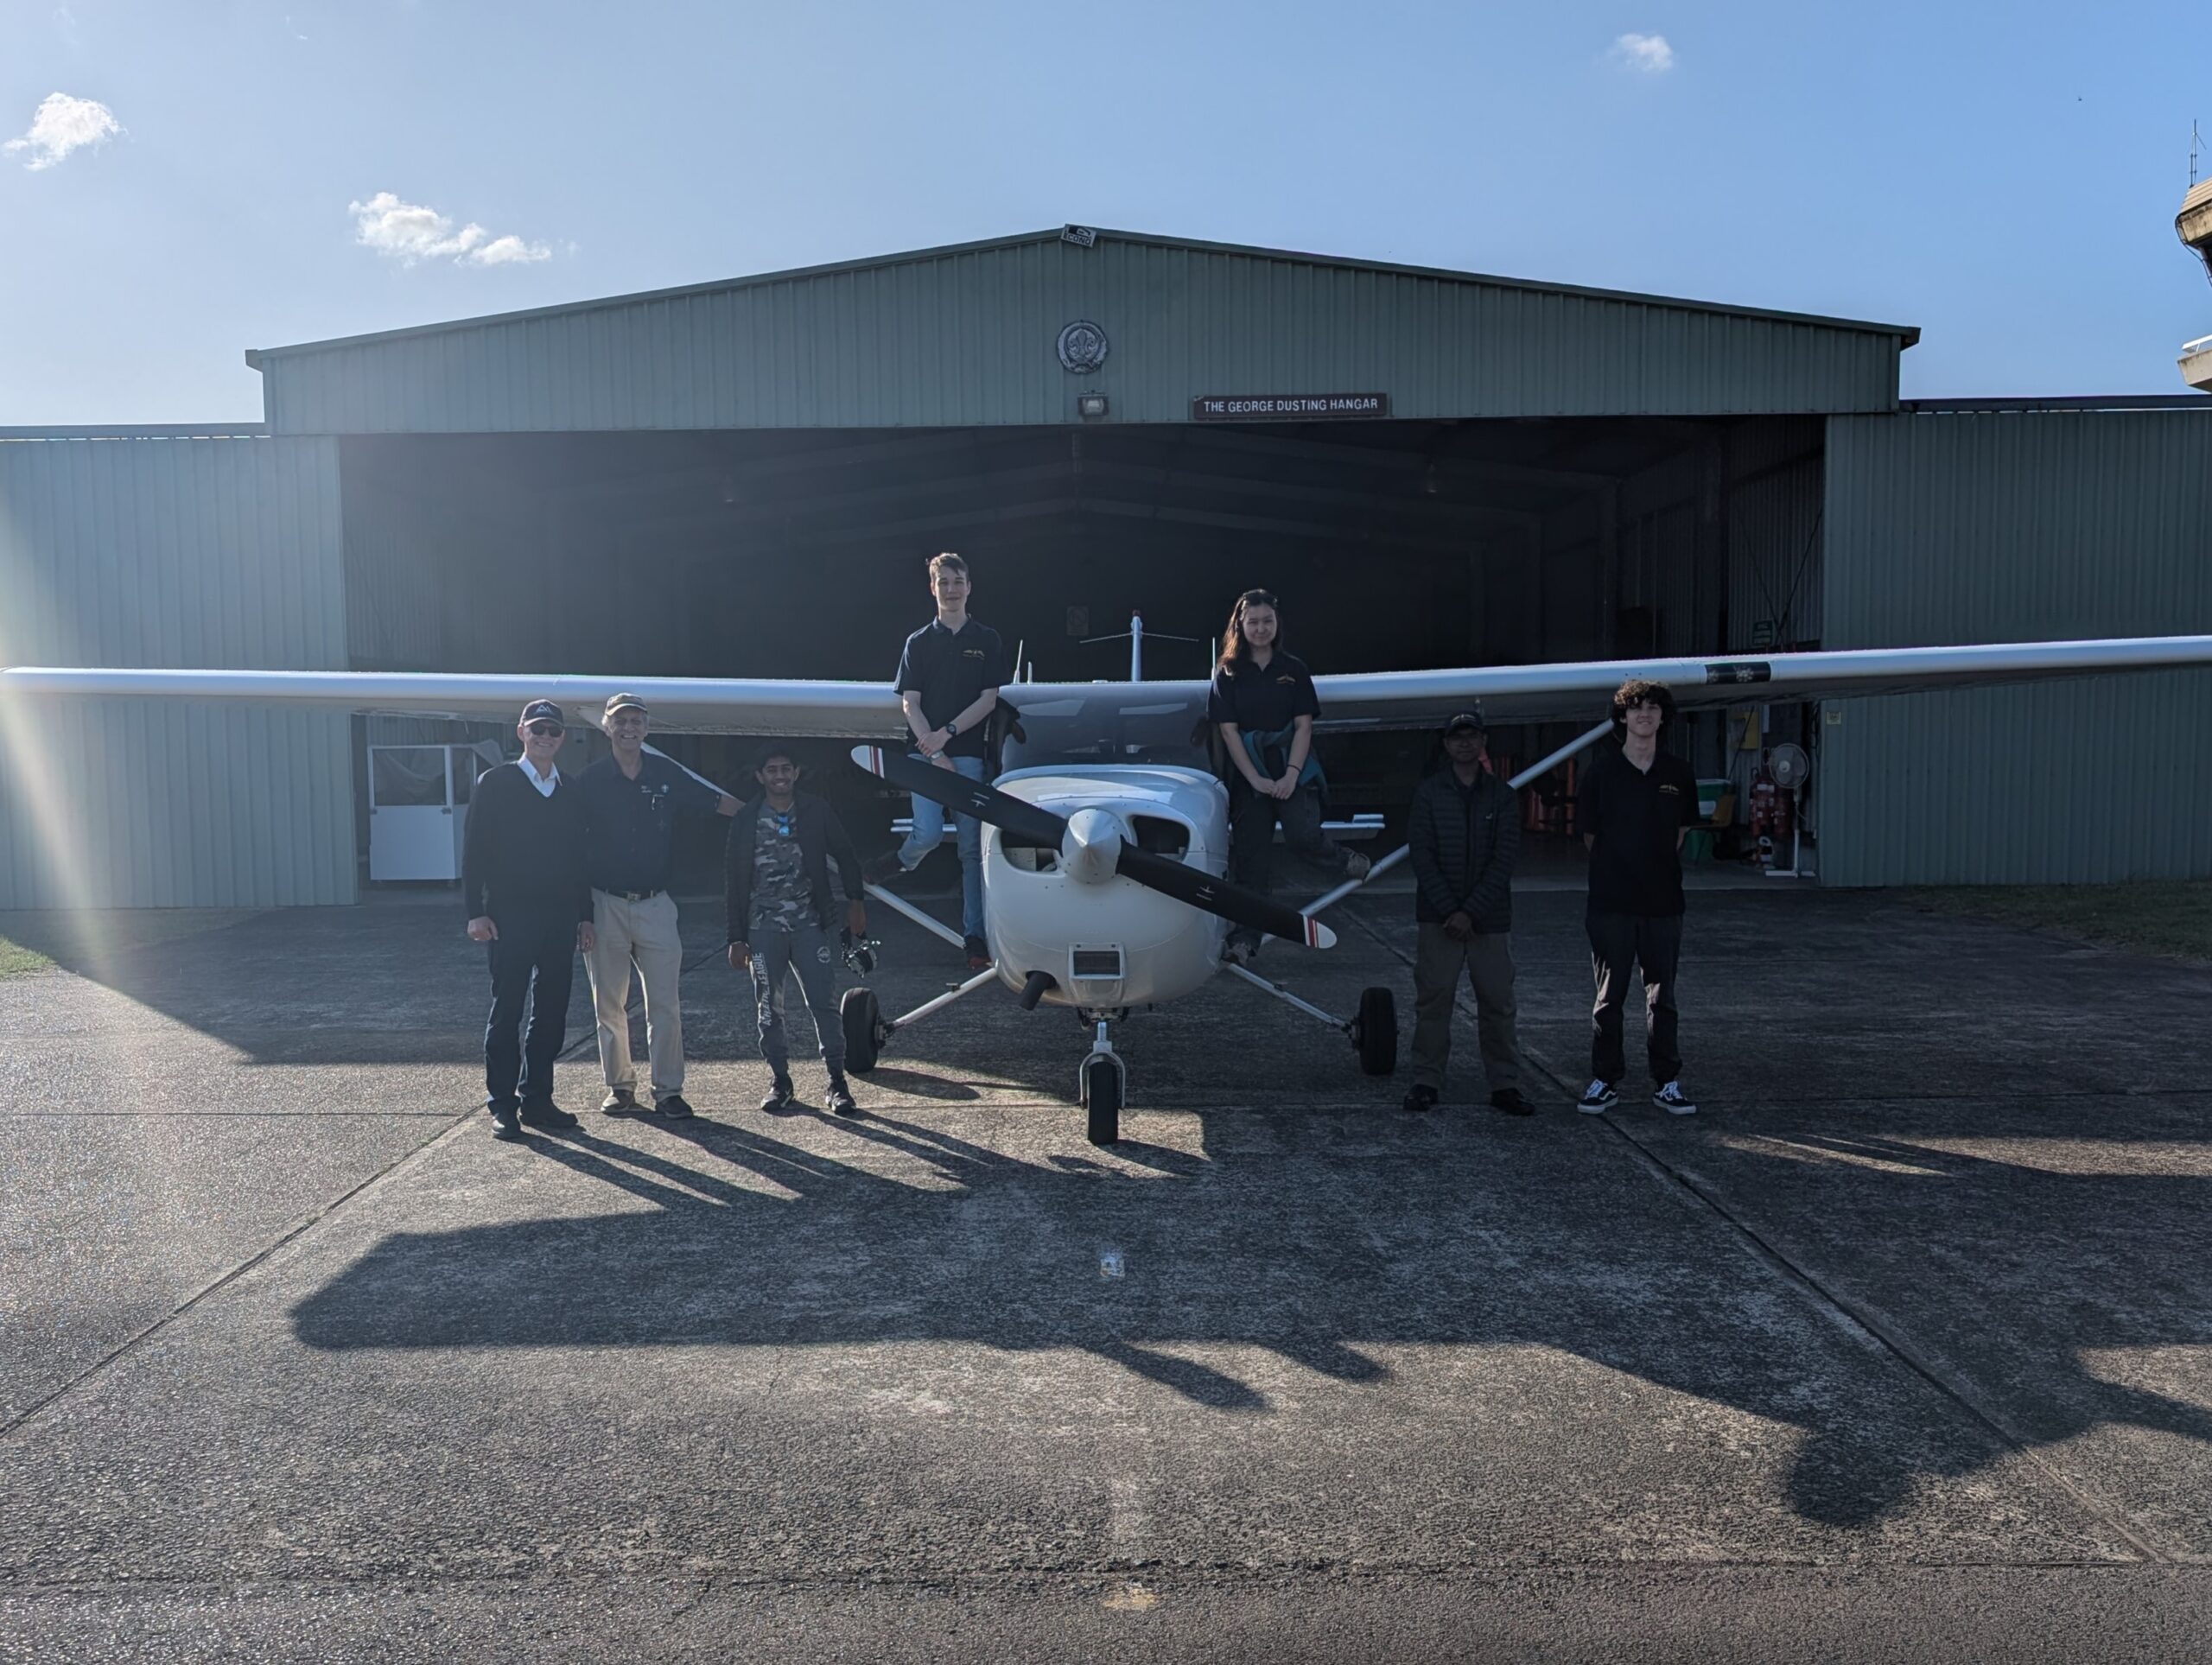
{"x": 1106, "y": 836}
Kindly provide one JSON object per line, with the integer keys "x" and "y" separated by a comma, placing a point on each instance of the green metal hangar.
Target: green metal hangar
{"x": 1431, "y": 467}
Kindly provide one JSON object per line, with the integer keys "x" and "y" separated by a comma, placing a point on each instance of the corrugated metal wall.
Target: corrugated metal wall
{"x": 967, "y": 338}
{"x": 2019, "y": 525}
{"x": 159, "y": 551}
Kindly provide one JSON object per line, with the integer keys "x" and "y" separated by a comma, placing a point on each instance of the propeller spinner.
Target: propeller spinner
{"x": 1092, "y": 847}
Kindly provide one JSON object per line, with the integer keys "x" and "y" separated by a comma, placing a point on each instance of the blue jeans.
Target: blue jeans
{"x": 929, "y": 832}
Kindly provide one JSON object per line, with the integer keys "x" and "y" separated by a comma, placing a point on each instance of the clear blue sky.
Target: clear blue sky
{"x": 2005, "y": 177}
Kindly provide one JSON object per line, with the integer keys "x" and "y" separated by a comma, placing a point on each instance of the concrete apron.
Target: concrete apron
{"x": 1922, "y": 1286}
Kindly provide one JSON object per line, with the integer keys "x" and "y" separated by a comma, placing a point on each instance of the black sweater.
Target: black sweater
{"x": 524, "y": 852}
{"x": 1463, "y": 842}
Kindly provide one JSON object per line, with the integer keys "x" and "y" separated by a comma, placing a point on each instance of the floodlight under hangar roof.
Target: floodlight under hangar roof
{"x": 2194, "y": 224}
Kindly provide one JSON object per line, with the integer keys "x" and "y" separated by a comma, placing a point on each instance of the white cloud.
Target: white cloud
{"x": 507, "y": 251}
{"x": 409, "y": 233}
{"x": 61, "y": 125}
{"x": 1648, "y": 52}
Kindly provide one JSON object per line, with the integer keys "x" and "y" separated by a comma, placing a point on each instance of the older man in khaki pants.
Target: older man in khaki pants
{"x": 631, "y": 802}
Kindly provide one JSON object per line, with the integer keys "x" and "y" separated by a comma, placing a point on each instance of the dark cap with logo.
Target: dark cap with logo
{"x": 626, "y": 703}
{"x": 543, "y": 711}
{"x": 1467, "y": 722}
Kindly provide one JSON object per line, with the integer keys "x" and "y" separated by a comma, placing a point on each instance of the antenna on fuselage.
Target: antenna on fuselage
{"x": 1134, "y": 635}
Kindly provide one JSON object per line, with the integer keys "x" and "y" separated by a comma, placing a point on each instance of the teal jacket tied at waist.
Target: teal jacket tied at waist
{"x": 1256, "y": 746}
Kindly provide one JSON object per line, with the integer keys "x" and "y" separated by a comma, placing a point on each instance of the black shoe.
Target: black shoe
{"x": 840, "y": 1098}
{"x": 1509, "y": 1100}
{"x": 546, "y": 1114}
{"x": 778, "y": 1097}
{"x": 673, "y": 1108}
{"x": 1420, "y": 1098}
{"x": 1241, "y": 949}
{"x": 504, "y": 1125}
{"x": 882, "y": 869}
{"x": 619, "y": 1101}
{"x": 979, "y": 953}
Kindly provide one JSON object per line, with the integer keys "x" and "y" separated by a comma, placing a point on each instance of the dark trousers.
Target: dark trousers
{"x": 1618, "y": 942}
{"x": 533, "y": 962}
{"x": 1487, "y": 959}
{"x": 1252, "y": 819}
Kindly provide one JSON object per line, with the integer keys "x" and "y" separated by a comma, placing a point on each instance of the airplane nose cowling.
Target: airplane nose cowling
{"x": 1092, "y": 846}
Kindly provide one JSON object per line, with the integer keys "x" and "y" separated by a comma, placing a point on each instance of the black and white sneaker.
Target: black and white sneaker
{"x": 777, "y": 1098}
{"x": 619, "y": 1101}
{"x": 1420, "y": 1099}
{"x": 674, "y": 1106}
{"x": 840, "y": 1097}
{"x": 504, "y": 1124}
{"x": 882, "y": 867}
{"x": 1672, "y": 1099}
{"x": 1358, "y": 865}
{"x": 1597, "y": 1098}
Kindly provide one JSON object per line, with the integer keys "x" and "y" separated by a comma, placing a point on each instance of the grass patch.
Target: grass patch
{"x": 2170, "y": 918}
{"x": 16, "y": 959}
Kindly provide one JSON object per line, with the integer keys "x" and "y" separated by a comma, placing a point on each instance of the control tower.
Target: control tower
{"x": 2194, "y": 224}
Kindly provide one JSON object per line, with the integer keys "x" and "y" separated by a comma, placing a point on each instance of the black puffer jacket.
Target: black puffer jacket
{"x": 1464, "y": 841}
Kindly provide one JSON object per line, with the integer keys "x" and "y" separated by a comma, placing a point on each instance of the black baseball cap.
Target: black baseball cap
{"x": 543, "y": 711}
{"x": 1464, "y": 720}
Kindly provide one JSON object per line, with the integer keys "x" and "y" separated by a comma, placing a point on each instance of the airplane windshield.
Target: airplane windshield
{"x": 1120, "y": 727}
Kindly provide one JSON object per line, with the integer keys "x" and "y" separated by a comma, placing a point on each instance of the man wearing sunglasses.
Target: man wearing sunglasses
{"x": 522, "y": 880}
{"x": 631, "y": 802}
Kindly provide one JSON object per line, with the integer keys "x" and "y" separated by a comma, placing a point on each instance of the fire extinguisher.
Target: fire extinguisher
{"x": 1766, "y": 807}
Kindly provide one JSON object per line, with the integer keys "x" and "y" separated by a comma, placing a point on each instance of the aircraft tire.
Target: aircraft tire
{"x": 864, "y": 1023}
{"x": 1102, "y": 1085}
{"x": 1375, "y": 1032}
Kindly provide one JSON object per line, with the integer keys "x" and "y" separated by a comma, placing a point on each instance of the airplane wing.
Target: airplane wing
{"x": 1351, "y": 703}
{"x": 790, "y": 709}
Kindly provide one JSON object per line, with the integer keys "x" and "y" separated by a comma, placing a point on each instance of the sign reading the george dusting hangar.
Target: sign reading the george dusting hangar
{"x": 1287, "y": 407}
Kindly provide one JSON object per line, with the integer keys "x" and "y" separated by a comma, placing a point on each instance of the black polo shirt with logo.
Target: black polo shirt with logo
{"x": 951, "y": 669}
{"x": 1635, "y": 814}
{"x": 1263, "y": 700}
{"x": 630, "y": 825}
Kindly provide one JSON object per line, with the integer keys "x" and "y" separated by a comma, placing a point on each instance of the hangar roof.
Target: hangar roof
{"x": 967, "y": 336}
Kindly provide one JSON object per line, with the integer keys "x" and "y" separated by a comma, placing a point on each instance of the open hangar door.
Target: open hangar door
{"x": 1392, "y": 545}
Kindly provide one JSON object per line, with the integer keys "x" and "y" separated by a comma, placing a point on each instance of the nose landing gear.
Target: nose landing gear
{"x": 1102, "y": 1085}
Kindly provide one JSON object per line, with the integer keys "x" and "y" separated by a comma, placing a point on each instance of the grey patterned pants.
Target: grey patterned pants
{"x": 807, "y": 951}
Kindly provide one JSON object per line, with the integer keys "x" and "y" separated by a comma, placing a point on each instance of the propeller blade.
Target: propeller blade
{"x": 1231, "y": 902}
{"x": 1023, "y": 822}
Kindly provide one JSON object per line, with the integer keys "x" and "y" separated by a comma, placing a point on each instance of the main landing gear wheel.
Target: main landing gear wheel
{"x": 1375, "y": 1032}
{"x": 865, "y": 1029}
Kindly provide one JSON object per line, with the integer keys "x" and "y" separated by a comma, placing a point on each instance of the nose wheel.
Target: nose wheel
{"x": 1102, "y": 1085}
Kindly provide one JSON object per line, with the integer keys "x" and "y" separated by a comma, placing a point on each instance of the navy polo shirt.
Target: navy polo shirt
{"x": 951, "y": 669}
{"x": 630, "y": 825}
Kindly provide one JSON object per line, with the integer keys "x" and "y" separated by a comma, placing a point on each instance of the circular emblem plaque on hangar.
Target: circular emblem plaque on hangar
{"x": 1083, "y": 347}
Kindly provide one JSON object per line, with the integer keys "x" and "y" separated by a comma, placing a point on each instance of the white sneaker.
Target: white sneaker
{"x": 1597, "y": 1098}
{"x": 1672, "y": 1099}
{"x": 1357, "y": 866}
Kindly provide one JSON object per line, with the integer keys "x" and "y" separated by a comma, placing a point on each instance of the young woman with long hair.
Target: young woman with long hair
{"x": 1264, "y": 702}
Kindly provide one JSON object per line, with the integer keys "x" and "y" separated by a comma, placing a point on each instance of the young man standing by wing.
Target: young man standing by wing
{"x": 1635, "y": 804}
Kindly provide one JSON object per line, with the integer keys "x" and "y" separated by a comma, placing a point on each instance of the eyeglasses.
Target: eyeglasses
{"x": 542, "y": 730}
